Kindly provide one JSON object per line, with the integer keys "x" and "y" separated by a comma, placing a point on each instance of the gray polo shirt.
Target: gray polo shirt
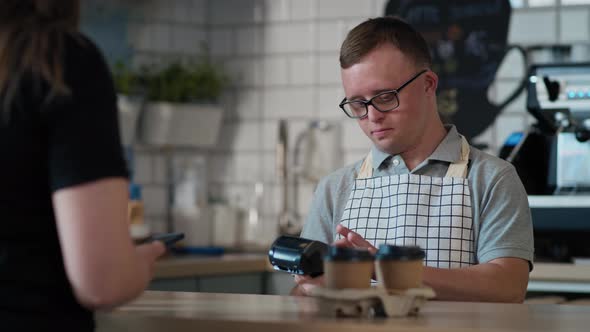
{"x": 501, "y": 214}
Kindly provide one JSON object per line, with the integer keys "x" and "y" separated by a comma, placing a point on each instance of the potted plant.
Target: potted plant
{"x": 182, "y": 106}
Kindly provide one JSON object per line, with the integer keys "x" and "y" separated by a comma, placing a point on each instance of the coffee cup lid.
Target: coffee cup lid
{"x": 390, "y": 252}
{"x": 343, "y": 254}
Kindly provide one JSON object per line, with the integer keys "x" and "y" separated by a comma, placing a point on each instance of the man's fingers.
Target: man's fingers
{"x": 342, "y": 243}
{"x": 352, "y": 239}
{"x": 342, "y": 230}
{"x": 307, "y": 288}
{"x": 306, "y": 284}
{"x": 299, "y": 279}
{"x": 357, "y": 240}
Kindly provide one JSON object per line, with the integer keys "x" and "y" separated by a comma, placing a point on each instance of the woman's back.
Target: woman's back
{"x": 45, "y": 145}
{"x": 65, "y": 248}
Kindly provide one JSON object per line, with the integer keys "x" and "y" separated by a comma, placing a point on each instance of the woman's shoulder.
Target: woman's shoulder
{"x": 79, "y": 48}
{"x": 86, "y": 70}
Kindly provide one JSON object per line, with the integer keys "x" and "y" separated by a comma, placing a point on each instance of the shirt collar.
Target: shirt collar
{"x": 448, "y": 150}
{"x": 378, "y": 157}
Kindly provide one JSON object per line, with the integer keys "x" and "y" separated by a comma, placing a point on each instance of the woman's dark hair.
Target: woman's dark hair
{"x": 32, "y": 37}
{"x": 375, "y": 32}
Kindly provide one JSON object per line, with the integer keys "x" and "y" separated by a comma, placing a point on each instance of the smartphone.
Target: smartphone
{"x": 168, "y": 239}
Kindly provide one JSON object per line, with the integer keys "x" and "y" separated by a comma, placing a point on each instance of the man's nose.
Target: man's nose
{"x": 374, "y": 114}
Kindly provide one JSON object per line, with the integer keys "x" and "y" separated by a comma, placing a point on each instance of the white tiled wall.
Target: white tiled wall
{"x": 282, "y": 57}
{"x": 535, "y": 26}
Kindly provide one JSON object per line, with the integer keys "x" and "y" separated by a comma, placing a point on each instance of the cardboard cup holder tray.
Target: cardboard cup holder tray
{"x": 371, "y": 302}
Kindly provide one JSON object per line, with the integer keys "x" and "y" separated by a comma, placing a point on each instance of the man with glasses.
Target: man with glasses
{"x": 421, "y": 183}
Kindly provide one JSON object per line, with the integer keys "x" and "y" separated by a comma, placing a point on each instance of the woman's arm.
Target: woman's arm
{"x": 104, "y": 267}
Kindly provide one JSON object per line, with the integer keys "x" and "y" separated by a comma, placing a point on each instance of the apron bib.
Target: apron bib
{"x": 433, "y": 213}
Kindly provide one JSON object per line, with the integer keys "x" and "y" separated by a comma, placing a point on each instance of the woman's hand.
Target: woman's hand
{"x": 149, "y": 253}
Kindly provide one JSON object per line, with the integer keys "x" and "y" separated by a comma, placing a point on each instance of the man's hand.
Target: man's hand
{"x": 501, "y": 280}
{"x": 353, "y": 240}
{"x": 350, "y": 239}
{"x": 305, "y": 284}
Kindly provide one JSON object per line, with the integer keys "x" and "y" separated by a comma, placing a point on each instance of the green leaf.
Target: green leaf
{"x": 196, "y": 80}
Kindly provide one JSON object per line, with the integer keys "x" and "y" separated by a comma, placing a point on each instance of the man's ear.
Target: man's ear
{"x": 430, "y": 82}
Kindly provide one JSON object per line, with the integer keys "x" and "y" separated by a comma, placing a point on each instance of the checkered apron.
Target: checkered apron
{"x": 430, "y": 212}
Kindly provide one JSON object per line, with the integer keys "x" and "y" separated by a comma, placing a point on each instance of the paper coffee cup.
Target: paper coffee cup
{"x": 348, "y": 268}
{"x": 400, "y": 268}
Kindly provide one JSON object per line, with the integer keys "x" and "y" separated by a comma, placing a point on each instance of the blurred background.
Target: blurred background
{"x": 252, "y": 156}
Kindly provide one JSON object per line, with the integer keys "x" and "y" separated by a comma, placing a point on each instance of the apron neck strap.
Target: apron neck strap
{"x": 366, "y": 170}
{"x": 457, "y": 169}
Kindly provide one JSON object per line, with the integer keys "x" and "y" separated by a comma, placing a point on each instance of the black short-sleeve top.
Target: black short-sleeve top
{"x": 47, "y": 144}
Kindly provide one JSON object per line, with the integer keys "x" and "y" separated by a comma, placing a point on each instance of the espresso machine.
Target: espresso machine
{"x": 559, "y": 98}
{"x": 552, "y": 159}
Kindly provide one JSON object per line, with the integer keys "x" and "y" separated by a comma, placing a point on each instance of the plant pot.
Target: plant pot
{"x": 172, "y": 124}
{"x": 129, "y": 107}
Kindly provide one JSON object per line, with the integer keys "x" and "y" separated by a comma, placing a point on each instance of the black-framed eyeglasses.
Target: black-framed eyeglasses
{"x": 383, "y": 102}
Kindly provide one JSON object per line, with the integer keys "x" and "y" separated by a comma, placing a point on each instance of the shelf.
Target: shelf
{"x": 559, "y": 201}
{"x": 560, "y": 277}
{"x": 558, "y": 287}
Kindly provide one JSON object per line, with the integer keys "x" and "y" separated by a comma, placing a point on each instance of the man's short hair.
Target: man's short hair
{"x": 375, "y": 32}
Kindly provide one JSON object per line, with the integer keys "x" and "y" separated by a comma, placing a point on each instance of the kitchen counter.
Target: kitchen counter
{"x": 546, "y": 277}
{"x": 198, "y": 266}
{"x": 242, "y": 273}
{"x": 178, "y": 312}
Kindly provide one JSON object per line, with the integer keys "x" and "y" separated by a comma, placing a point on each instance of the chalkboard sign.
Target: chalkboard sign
{"x": 468, "y": 41}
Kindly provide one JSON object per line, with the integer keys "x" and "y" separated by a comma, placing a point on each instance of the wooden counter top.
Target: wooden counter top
{"x": 195, "y": 266}
{"x": 178, "y": 312}
{"x": 198, "y": 266}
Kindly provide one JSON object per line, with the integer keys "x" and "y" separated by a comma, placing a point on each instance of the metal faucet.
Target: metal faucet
{"x": 289, "y": 221}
